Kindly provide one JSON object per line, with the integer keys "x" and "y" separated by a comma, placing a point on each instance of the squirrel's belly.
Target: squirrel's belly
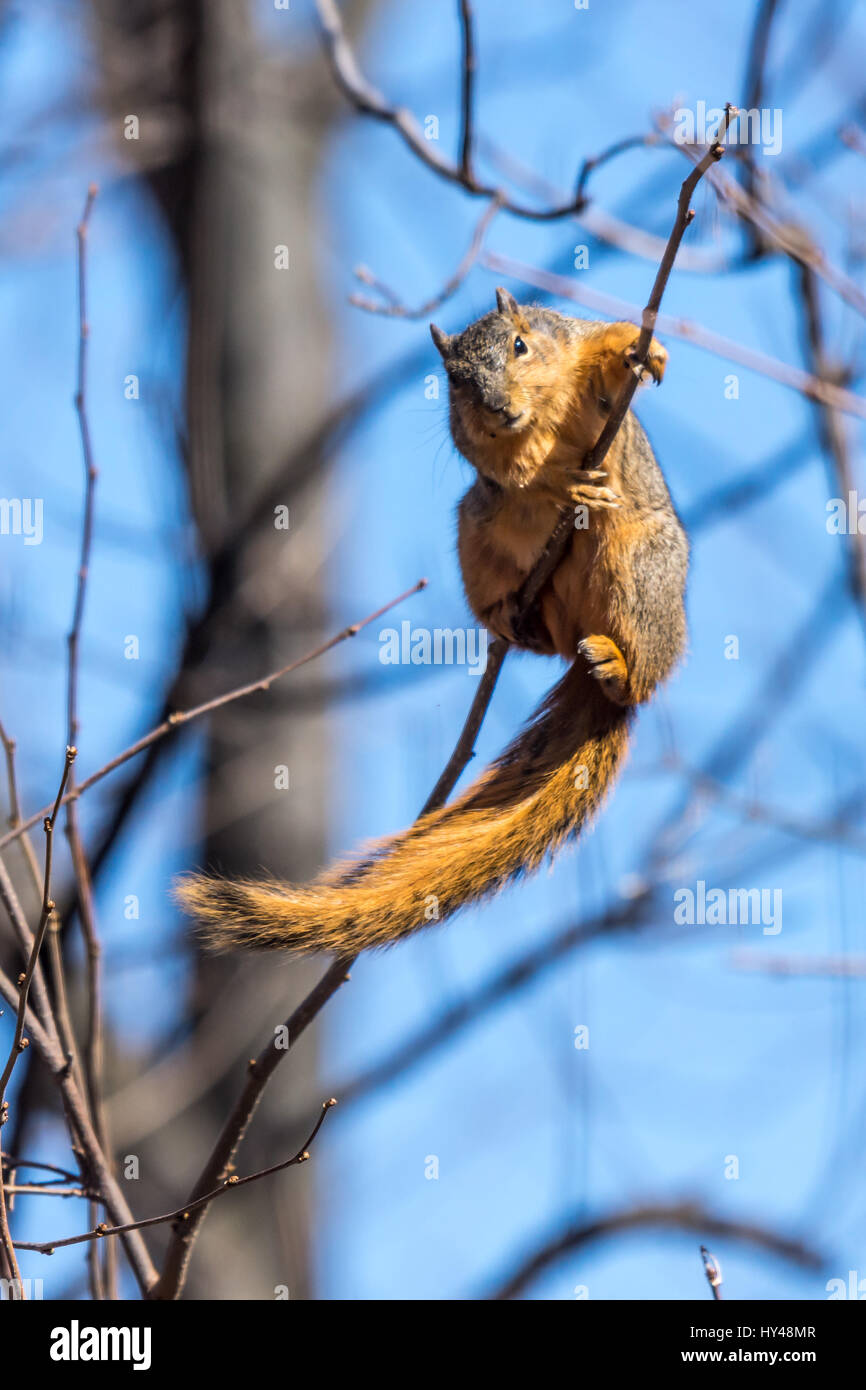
{"x": 523, "y": 530}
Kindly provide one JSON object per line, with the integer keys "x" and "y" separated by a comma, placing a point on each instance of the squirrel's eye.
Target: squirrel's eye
{"x": 519, "y": 347}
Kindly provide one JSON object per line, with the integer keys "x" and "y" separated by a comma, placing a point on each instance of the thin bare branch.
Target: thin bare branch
{"x": 685, "y": 1216}
{"x": 103, "y": 1283}
{"x": 814, "y": 388}
{"x": 467, "y": 85}
{"x": 182, "y": 1214}
{"x": 779, "y": 233}
{"x": 713, "y": 1271}
{"x": 597, "y": 161}
{"x": 394, "y": 308}
{"x": 61, "y": 1002}
{"x": 182, "y": 717}
{"x": 561, "y": 537}
{"x": 39, "y": 935}
{"x": 369, "y": 101}
{"x": 19, "y": 1042}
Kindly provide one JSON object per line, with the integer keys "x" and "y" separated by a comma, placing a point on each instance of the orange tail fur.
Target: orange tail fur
{"x": 536, "y": 796}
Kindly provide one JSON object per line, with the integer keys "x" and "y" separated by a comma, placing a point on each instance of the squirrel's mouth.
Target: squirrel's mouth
{"x": 498, "y": 422}
{"x": 512, "y": 421}
{"x": 506, "y": 420}
{"x": 507, "y": 424}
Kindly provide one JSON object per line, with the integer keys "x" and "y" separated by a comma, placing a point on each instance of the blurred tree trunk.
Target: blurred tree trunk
{"x": 231, "y": 134}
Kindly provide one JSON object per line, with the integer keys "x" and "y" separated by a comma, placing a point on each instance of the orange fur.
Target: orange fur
{"x": 542, "y": 789}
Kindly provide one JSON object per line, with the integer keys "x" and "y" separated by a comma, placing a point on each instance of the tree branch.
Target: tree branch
{"x": 182, "y": 1214}
{"x": 181, "y": 717}
{"x": 685, "y": 1216}
{"x": 19, "y": 1042}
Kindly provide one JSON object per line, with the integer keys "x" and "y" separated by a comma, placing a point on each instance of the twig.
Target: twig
{"x": 754, "y": 89}
{"x": 18, "y": 1041}
{"x": 12, "y": 1161}
{"x": 819, "y": 831}
{"x": 602, "y": 224}
{"x": 561, "y": 537}
{"x": 33, "y": 1025}
{"x": 181, "y": 717}
{"x": 831, "y": 429}
{"x": 49, "y": 1189}
{"x": 47, "y": 905}
{"x": 8, "y": 895}
{"x": 7, "y": 1248}
{"x": 467, "y": 87}
{"x": 93, "y": 1047}
{"x": 61, "y": 1003}
{"x": 84, "y": 1138}
{"x": 9, "y": 750}
{"x": 90, "y": 474}
{"x": 810, "y": 386}
{"x": 789, "y": 238}
{"x": 713, "y": 1271}
{"x": 93, "y": 1044}
{"x": 464, "y": 749}
{"x": 182, "y": 1214}
{"x": 631, "y": 142}
{"x": 686, "y": 1216}
{"x": 10, "y": 900}
{"x": 369, "y": 101}
{"x": 395, "y": 308}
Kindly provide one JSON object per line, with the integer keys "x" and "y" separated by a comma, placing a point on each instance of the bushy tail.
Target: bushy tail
{"x": 538, "y": 794}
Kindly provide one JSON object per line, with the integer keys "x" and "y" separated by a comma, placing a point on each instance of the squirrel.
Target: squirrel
{"x": 530, "y": 390}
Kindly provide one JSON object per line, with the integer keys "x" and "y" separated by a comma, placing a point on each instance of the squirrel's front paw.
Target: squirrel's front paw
{"x": 590, "y": 494}
{"x": 505, "y": 618}
{"x": 655, "y": 364}
{"x": 611, "y": 350}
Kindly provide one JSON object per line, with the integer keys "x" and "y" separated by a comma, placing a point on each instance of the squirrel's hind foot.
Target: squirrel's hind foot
{"x": 608, "y": 665}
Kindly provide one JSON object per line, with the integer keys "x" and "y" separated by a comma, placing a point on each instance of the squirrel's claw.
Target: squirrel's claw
{"x": 599, "y": 498}
{"x": 654, "y": 366}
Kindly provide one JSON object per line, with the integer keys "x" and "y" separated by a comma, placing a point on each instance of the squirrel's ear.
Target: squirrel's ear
{"x": 442, "y": 340}
{"x": 506, "y": 303}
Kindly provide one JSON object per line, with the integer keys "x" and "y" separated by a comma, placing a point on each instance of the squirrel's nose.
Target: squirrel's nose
{"x": 495, "y": 400}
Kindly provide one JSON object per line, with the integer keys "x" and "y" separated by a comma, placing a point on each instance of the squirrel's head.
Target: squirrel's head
{"x": 500, "y": 372}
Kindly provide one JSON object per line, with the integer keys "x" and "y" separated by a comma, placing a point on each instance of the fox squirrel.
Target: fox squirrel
{"x": 529, "y": 393}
